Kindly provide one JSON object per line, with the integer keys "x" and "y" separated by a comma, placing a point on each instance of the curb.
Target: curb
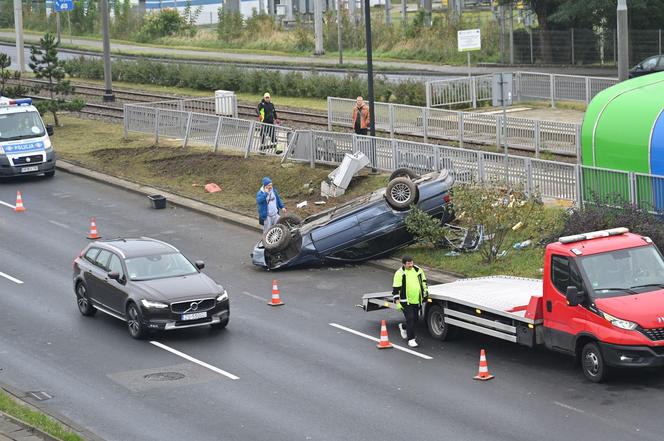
{"x": 222, "y": 214}
{"x": 64, "y": 421}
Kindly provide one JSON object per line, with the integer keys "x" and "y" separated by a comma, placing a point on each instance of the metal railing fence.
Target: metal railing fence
{"x": 473, "y": 127}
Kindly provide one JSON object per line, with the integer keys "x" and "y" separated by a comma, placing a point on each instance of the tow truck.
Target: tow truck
{"x": 25, "y": 146}
{"x": 601, "y": 300}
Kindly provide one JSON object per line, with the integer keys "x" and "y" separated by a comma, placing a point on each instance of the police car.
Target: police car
{"x": 25, "y": 146}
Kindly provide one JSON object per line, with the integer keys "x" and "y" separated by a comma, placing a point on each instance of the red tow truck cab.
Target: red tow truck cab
{"x": 601, "y": 300}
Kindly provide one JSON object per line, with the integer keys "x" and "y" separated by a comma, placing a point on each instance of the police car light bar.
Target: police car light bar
{"x": 593, "y": 235}
{"x": 20, "y": 102}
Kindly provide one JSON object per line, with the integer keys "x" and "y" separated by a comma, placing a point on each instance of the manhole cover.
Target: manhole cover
{"x": 164, "y": 376}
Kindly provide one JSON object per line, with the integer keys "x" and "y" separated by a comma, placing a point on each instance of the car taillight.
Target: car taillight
{"x": 446, "y": 198}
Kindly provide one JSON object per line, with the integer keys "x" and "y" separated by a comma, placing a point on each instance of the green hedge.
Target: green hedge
{"x": 246, "y": 80}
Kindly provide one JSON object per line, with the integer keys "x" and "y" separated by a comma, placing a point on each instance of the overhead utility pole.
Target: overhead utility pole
{"x": 18, "y": 23}
{"x": 108, "y": 87}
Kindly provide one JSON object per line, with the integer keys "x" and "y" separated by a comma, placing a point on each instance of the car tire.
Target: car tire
{"x": 221, "y": 325}
{"x": 135, "y": 321}
{"x": 401, "y": 193}
{"x": 592, "y": 363}
{"x": 403, "y": 173}
{"x": 438, "y": 329}
{"x": 83, "y": 301}
{"x": 49, "y": 174}
{"x": 290, "y": 220}
{"x": 276, "y": 238}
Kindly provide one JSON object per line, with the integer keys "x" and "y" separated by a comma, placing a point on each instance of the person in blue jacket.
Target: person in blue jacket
{"x": 268, "y": 203}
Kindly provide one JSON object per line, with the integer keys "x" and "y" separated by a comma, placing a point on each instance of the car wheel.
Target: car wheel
{"x": 84, "y": 305}
{"x": 436, "y": 324}
{"x": 401, "y": 193}
{"x": 290, "y": 220}
{"x": 276, "y": 238}
{"x": 403, "y": 173}
{"x": 592, "y": 363}
{"x": 135, "y": 321}
{"x": 221, "y": 325}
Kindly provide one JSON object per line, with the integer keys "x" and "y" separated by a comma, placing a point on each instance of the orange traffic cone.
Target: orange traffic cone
{"x": 93, "y": 230}
{"x": 276, "y": 301}
{"x": 19, "y": 203}
{"x": 483, "y": 373}
{"x": 384, "y": 340}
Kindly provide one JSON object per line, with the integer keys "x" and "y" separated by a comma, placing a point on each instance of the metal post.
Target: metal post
{"x": 623, "y": 40}
{"x": 538, "y": 138}
{"x": 108, "y": 88}
{"x": 427, "y": 90}
{"x": 57, "y": 28}
{"x": 329, "y": 113}
{"x": 588, "y": 90}
{"x": 217, "y": 134}
{"x": 660, "y": 41}
{"x": 578, "y": 172}
{"x": 187, "y": 129}
{"x": 572, "y": 44}
{"x": 340, "y": 36}
{"x": 250, "y": 138}
{"x": 318, "y": 27}
{"x": 404, "y": 13}
{"x": 552, "y": 89}
{"x": 352, "y": 6}
{"x": 460, "y": 119}
{"x": 425, "y": 123}
{"x": 632, "y": 189}
{"x": 312, "y": 152}
{"x": 270, "y": 7}
{"x": 473, "y": 90}
{"x": 156, "y": 126}
{"x": 577, "y": 132}
{"x": 498, "y": 130}
{"x": 125, "y": 122}
{"x": 391, "y": 116}
{"x": 428, "y": 8}
{"x": 530, "y": 35}
{"x": 468, "y": 54}
{"x": 529, "y": 176}
{"x": 480, "y": 167}
{"x": 511, "y": 35}
{"x": 18, "y": 24}
{"x": 372, "y": 108}
{"x": 395, "y": 154}
{"x": 388, "y": 12}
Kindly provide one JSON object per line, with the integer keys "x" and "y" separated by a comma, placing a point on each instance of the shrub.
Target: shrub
{"x": 165, "y": 23}
{"x": 424, "y": 228}
{"x": 229, "y": 26}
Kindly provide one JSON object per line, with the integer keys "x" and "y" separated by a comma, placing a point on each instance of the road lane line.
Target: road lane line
{"x": 194, "y": 360}
{"x": 8, "y": 205}
{"x": 401, "y": 348}
{"x": 61, "y": 225}
{"x": 8, "y": 277}
{"x": 567, "y": 406}
{"x": 254, "y": 296}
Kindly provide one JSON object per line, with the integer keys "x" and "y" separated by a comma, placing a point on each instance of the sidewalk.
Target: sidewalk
{"x": 300, "y": 61}
{"x": 11, "y": 430}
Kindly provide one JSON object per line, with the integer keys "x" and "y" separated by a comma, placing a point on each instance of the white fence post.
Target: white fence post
{"x": 538, "y": 138}
{"x": 391, "y": 118}
{"x": 473, "y": 91}
{"x": 124, "y": 121}
{"x": 250, "y": 138}
{"x": 425, "y": 123}
{"x": 529, "y": 176}
{"x": 460, "y": 115}
{"x": 480, "y": 167}
{"x": 217, "y": 134}
{"x": 499, "y": 129}
{"x": 312, "y": 152}
{"x": 187, "y": 129}
{"x": 156, "y": 126}
{"x": 552, "y": 89}
{"x": 428, "y": 93}
{"x": 577, "y": 133}
{"x": 329, "y": 114}
{"x": 633, "y": 199}
{"x": 395, "y": 155}
{"x": 587, "y": 90}
{"x": 578, "y": 171}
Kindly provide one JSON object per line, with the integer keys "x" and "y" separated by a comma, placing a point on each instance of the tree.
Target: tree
{"x": 5, "y": 62}
{"x": 45, "y": 64}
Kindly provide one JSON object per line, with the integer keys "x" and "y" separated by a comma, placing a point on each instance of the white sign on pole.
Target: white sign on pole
{"x": 469, "y": 40}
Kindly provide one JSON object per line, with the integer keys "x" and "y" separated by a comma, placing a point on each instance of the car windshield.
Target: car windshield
{"x": 624, "y": 272}
{"x": 159, "y": 266}
{"x": 21, "y": 125}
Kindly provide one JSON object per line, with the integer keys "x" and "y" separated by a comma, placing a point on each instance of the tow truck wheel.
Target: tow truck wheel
{"x": 592, "y": 363}
{"x": 436, "y": 323}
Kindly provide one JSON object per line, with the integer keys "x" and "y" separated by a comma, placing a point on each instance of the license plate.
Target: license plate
{"x": 29, "y": 169}
{"x": 194, "y": 316}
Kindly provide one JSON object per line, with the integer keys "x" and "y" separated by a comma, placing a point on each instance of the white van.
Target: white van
{"x": 25, "y": 146}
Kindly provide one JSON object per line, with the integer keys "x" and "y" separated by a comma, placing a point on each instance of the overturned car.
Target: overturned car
{"x": 361, "y": 229}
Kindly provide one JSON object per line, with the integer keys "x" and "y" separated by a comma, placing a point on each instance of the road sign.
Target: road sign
{"x": 63, "y": 5}
{"x": 469, "y": 40}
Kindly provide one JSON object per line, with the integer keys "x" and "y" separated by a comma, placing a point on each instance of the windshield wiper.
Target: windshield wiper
{"x": 627, "y": 290}
{"x": 646, "y": 285}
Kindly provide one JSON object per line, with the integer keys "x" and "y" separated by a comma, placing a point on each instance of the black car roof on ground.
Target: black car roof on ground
{"x": 135, "y": 247}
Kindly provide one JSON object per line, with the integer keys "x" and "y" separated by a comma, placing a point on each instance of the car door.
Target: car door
{"x": 96, "y": 284}
{"x": 115, "y": 291}
{"x": 336, "y": 234}
{"x": 647, "y": 66}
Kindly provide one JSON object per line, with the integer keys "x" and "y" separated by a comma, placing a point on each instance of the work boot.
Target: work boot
{"x": 403, "y": 332}
{"x": 412, "y": 343}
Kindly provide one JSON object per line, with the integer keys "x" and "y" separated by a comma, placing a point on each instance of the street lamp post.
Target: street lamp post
{"x": 18, "y": 23}
{"x": 372, "y": 113}
{"x": 108, "y": 88}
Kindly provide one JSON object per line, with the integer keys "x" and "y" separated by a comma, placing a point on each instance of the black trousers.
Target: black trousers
{"x": 361, "y": 132}
{"x": 411, "y": 312}
{"x": 268, "y": 132}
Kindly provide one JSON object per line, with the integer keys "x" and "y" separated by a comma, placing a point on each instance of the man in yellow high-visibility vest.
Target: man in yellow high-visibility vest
{"x": 410, "y": 284}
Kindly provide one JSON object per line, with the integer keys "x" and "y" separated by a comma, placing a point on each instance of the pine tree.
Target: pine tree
{"x": 45, "y": 64}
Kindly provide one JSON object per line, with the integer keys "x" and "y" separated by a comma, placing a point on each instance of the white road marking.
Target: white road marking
{"x": 8, "y": 277}
{"x": 567, "y": 406}
{"x": 61, "y": 225}
{"x": 8, "y": 205}
{"x": 401, "y": 348}
{"x": 254, "y": 296}
{"x": 194, "y": 360}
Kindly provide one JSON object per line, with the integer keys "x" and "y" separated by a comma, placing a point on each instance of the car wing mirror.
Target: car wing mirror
{"x": 574, "y": 296}
{"x": 114, "y": 275}
{"x": 200, "y": 264}
{"x": 49, "y": 129}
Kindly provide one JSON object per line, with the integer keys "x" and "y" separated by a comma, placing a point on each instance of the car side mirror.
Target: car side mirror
{"x": 49, "y": 129}
{"x": 200, "y": 264}
{"x": 574, "y": 297}
{"x": 114, "y": 275}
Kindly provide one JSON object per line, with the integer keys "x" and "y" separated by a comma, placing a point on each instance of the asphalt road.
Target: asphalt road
{"x": 299, "y": 377}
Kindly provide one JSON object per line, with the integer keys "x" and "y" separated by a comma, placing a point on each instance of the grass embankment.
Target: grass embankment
{"x": 100, "y": 146}
{"x": 35, "y": 418}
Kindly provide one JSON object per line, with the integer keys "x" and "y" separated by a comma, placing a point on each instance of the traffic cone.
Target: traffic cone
{"x": 93, "y": 230}
{"x": 19, "y": 203}
{"x": 483, "y": 373}
{"x": 276, "y": 301}
{"x": 384, "y": 340}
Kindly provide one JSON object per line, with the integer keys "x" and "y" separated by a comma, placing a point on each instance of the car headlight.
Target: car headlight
{"x": 222, "y": 297}
{"x": 153, "y": 305}
{"x": 47, "y": 144}
{"x": 2, "y": 150}
{"x": 620, "y": 323}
